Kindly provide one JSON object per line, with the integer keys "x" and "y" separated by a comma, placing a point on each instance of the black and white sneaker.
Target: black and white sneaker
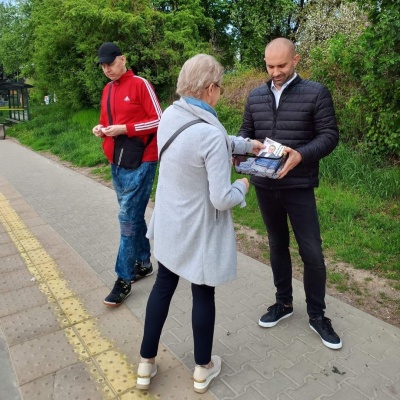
{"x": 141, "y": 270}
{"x": 275, "y": 313}
{"x": 120, "y": 291}
{"x": 323, "y": 326}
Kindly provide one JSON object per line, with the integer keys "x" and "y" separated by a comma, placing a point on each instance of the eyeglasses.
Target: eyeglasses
{"x": 221, "y": 89}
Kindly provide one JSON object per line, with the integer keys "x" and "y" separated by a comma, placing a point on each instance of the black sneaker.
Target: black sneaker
{"x": 142, "y": 270}
{"x": 275, "y": 313}
{"x": 323, "y": 326}
{"x": 120, "y": 291}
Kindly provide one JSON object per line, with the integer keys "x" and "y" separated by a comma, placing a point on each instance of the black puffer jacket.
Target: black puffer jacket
{"x": 305, "y": 121}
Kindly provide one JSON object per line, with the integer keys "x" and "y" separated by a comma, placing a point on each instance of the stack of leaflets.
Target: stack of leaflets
{"x": 267, "y": 164}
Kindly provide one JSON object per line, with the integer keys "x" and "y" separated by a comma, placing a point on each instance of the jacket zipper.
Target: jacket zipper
{"x": 120, "y": 157}
{"x": 275, "y": 110}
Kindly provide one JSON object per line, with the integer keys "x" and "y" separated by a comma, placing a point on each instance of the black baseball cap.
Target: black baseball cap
{"x": 107, "y": 53}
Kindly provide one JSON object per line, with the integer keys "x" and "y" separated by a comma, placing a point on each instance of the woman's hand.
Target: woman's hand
{"x": 245, "y": 181}
{"x": 257, "y": 146}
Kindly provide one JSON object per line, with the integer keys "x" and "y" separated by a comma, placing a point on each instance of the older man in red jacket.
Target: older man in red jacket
{"x": 130, "y": 113}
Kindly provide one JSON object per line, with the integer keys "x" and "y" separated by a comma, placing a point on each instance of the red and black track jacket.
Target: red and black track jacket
{"x": 133, "y": 103}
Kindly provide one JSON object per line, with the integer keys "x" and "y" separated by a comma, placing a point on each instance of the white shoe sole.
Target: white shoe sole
{"x": 271, "y": 324}
{"x": 107, "y": 303}
{"x": 143, "y": 382}
{"x": 202, "y": 387}
{"x": 334, "y": 346}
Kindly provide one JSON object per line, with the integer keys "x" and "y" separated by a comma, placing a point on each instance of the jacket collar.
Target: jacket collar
{"x": 127, "y": 75}
{"x": 295, "y": 81}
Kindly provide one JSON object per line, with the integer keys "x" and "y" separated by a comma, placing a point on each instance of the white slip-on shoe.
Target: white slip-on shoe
{"x": 145, "y": 372}
{"x": 203, "y": 376}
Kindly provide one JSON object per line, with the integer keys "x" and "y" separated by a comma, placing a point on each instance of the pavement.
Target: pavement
{"x": 58, "y": 242}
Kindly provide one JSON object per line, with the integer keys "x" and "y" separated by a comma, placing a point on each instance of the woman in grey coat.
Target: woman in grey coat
{"x": 191, "y": 225}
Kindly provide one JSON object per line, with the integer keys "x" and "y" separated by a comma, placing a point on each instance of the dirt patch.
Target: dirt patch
{"x": 361, "y": 289}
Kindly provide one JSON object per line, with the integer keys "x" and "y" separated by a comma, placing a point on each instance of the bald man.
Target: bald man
{"x": 299, "y": 114}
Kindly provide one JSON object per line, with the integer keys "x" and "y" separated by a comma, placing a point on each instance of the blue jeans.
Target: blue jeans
{"x": 203, "y": 316}
{"x": 133, "y": 188}
{"x": 300, "y": 206}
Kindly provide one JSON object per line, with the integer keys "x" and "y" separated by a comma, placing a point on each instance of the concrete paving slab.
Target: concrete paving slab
{"x": 41, "y": 356}
{"x": 30, "y": 323}
{"x": 39, "y": 389}
{"x": 74, "y": 220}
{"x": 13, "y": 279}
{"x": 76, "y": 382}
{"x": 8, "y": 387}
{"x": 20, "y": 300}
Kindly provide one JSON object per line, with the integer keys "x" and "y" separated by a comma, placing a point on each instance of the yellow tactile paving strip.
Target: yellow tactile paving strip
{"x": 108, "y": 367}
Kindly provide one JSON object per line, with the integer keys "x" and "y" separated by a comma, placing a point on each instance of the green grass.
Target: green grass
{"x": 355, "y": 228}
{"x": 358, "y": 229}
{"x": 357, "y": 170}
{"x": 358, "y": 197}
{"x": 68, "y": 136}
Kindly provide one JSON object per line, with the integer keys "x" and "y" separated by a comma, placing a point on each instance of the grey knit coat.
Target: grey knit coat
{"x": 191, "y": 225}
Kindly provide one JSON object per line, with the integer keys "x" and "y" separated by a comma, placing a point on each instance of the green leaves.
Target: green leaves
{"x": 363, "y": 74}
{"x": 256, "y": 22}
{"x": 15, "y": 37}
{"x": 64, "y": 37}
{"x": 351, "y": 46}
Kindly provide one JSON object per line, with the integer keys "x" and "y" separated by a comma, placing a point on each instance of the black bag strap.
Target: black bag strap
{"x": 110, "y": 121}
{"x": 172, "y": 138}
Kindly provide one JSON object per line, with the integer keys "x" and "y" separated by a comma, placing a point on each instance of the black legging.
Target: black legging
{"x": 203, "y": 316}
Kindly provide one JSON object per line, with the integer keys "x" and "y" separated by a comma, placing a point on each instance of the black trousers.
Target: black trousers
{"x": 299, "y": 206}
{"x": 203, "y": 316}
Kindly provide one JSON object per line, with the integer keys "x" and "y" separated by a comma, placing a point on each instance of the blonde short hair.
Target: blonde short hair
{"x": 198, "y": 73}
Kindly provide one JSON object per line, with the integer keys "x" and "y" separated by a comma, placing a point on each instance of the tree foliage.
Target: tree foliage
{"x": 15, "y": 37}
{"x": 353, "y": 46}
{"x": 321, "y": 20}
{"x": 157, "y": 36}
{"x": 256, "y": 22}
{"x": 66, "y": 35}
{"x": 220, "y": 37}
{"x": 363, "y": 73}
